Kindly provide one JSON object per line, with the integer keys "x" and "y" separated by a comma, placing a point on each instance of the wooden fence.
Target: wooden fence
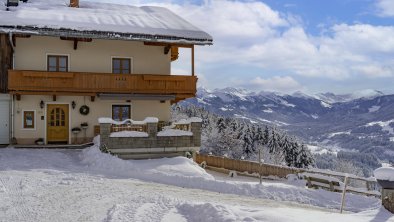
{"x": 265, "y": 170}
{"x": 247, "y": 166}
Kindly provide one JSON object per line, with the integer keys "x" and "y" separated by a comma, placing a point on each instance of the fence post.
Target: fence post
{"x": 368, "y": 185}
{"x": 343, "y": 194}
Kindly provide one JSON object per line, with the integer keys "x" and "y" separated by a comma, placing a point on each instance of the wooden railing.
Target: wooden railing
{"x": 33, "y": 82}
{"x": 254, "y": 169}
{"x": 128, "y": 127}
{"x": 247, "y": 166}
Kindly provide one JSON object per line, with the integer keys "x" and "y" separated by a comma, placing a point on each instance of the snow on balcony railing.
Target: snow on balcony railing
{"x": 126, "y": 134}
{"x": 130, "y": 121}
{"x": 174, "y": 132}
{"x": 129, "y": 125}
{"x": 122, "y": 137}
{"x": 183, "y": 124}
{"x": 180, "y": 128}
{"x": 132, "y": 128}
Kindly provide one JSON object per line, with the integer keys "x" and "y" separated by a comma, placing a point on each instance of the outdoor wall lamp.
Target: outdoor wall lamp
{"x": 42, "y": 104}
{"x": 73, "y": 104}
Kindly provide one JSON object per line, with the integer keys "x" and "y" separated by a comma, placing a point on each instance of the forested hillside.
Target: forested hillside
{"x": 241, "y": 139}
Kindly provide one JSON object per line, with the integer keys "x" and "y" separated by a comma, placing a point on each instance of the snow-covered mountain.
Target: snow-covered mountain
{"x": 338, "y": 98}
{"x": 362, "y": 121}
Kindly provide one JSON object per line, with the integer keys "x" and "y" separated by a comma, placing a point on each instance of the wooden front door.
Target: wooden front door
{"x": 57, "y": 123}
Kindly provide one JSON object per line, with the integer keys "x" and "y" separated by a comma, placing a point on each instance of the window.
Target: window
{"x": 57, "y": 117}
{"x": 29, "y": 119}
{"x": 121, "y": 112}
{"x": 121, "y": 66}
{"x": 57, "y": 63}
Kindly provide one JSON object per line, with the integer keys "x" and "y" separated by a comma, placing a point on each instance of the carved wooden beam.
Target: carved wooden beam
{"x": 76, "y": 40}
{"x": 75, "y": 44}
{"x": 174, "y": 53}
{"x": 167, "y": 49}
{"x": 167, "y": 44}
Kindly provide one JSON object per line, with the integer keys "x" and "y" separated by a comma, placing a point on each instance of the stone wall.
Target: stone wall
{"x": 388, "y": 199}
{"x": 152, "y": 146}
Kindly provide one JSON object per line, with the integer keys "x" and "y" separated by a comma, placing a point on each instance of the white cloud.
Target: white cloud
{"x": 276, "y": 83}
{"x": 252, "y": 34}
{"x": 385, "y": 8}
{"x": 231, "y": 20}
{"x": 338, "y": 55}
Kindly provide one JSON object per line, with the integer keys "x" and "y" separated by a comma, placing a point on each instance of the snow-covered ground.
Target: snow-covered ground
{"x": 87, "y": 185}
{"x": 384, "y": 124}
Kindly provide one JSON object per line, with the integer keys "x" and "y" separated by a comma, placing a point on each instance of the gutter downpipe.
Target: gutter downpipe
{"x": 12, "y": 98}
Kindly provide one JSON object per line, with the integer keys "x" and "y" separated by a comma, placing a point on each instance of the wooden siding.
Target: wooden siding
{"x": 5, "y": 61}
{"x": 74, "y": 83}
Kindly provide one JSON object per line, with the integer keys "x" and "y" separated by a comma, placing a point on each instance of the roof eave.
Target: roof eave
{"x": 103, "y": 35}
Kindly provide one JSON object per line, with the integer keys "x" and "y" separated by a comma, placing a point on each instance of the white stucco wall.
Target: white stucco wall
{"x": 99, "y": 108}
{"x": 96, "y": 56}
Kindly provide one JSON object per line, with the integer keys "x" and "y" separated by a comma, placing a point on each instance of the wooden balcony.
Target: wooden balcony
{"x": 25, "y": 82}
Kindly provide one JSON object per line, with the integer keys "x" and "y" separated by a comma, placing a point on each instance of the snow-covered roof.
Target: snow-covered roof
{"x": 100, "y": 20}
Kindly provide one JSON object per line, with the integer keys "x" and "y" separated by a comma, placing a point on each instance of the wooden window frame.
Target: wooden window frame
{"x": 54, "y": 120}
{"x": 121, "y": 64}
{"x": 34, "y": 121}
{"x": 120, "y": 105}
{"x": 58, "y": 62}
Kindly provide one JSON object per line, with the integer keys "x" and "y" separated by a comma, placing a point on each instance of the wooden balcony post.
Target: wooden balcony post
{"x": 6, "y": 53}
{"x": 193, "y": 60}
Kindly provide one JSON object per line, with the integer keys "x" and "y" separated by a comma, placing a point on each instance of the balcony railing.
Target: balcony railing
{"x": 41, "y": 82}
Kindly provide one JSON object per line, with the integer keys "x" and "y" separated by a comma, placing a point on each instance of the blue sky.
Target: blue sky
{"x": 313, "y": 46}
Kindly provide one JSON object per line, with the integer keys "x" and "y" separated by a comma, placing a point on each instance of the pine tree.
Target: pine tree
{"x": 221, "y": 125}
{"x": 266, "y": 136}
{"x": 288, "y": 152}
{"x": 273, "y": 144}
{"x": 247, "y": 142}
{"x": 304, "y": 157}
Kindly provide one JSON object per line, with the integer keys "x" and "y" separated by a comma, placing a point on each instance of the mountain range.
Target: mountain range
{"x": 361, "y": 122}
